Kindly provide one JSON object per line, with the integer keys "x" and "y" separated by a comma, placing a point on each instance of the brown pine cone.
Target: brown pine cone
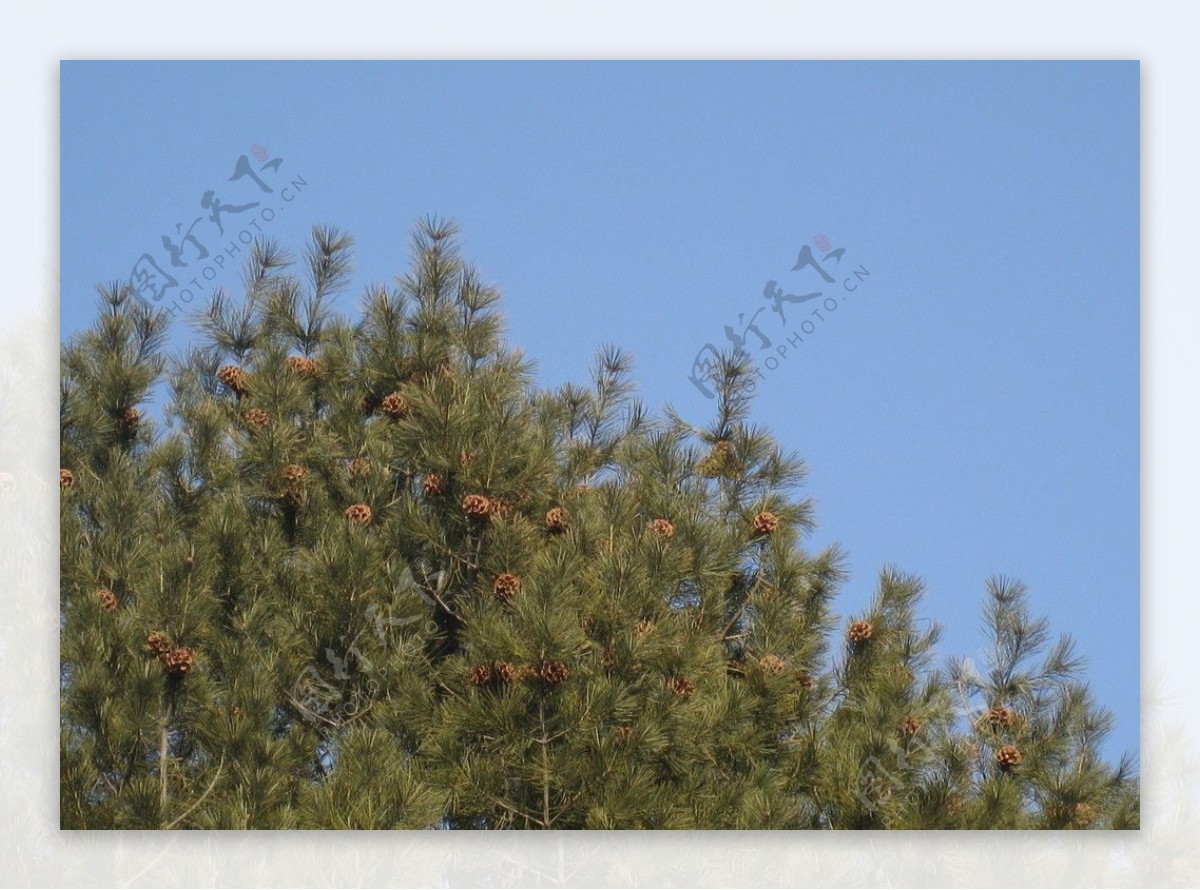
{"x": 504, "y": 671}
{"x": 644, "y": 628}
{"x": 557, "y": 520}
{"x": 434, "y": 485}
{"x": 108, "y": 600}
{"x": 736, "y": 667}
{"x": 234, "y": 379}
{"x": 359, "y": 514}
{"x": 294, "y": 473}
{"x": 772, "y": 664}
{"x": 257, "y": 419}
{"x": 766, "y": 523}
{"x": 524, "y": 672}
{"x": 999, "y": 716}
{"x": 157, "y": 644}
{"x": 1008, "y": 757}
{"x": 358, "y": 466}
{"x": 807, "y": 683}
{"x": 480, "y": 675}
{"x": 179, "y": 661}
{"x": 608, "y": 659}
{"x": 622, "y": 735}
{"x": 681, "y": 686}
{"x": 553, "y": 672}
{"x": 476, "y": 505}
{"x": 302, "y": 366}
{"x": 394, "y": 405}
{"x": 910, "y": 726}
{"x": 129, "y": 419}
{"x": 65, "y": 478}
{"x": 466, "y": 458}
{"x": 860, "y": 631}
{"x": 662, "y": 528}
{"x": 720, "y": 460}
{"x": 723, "y": 448}
{"x": 499, "y": 508}
{"x": 506, "y": 586}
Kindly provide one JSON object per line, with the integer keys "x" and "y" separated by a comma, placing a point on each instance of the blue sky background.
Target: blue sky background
{"x": 972, "y": 409}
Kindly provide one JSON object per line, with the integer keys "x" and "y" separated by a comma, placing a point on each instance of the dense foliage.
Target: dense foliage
{"x": 366, "y": 574}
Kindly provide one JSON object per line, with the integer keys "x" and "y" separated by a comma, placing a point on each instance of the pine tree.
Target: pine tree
{"x": 365, "y": 573}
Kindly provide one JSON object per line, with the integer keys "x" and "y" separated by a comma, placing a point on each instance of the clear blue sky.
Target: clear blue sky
{"x": 972, "y": 409}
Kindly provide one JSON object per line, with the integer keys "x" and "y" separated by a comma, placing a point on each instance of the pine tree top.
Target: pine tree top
{"x": 365, "y": 572}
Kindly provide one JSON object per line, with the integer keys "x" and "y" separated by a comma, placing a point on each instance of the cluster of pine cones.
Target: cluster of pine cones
{"x": 476, "y": 506}
{"x": 551, "y": 672}
{"x": 178, "y": 661}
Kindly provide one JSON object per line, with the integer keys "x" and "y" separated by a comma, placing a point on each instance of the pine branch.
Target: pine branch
{"x": 207, "y": 791}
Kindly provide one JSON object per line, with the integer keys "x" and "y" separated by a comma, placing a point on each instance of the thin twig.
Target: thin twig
{"x": 517, "y": 812}
{"x": 545, "y": 767}
{"x": 442, "y": 603}
{"x": 199, "y": 800}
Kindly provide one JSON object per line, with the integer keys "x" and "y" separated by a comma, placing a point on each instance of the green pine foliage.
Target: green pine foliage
{"x": 365, "y": 573}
